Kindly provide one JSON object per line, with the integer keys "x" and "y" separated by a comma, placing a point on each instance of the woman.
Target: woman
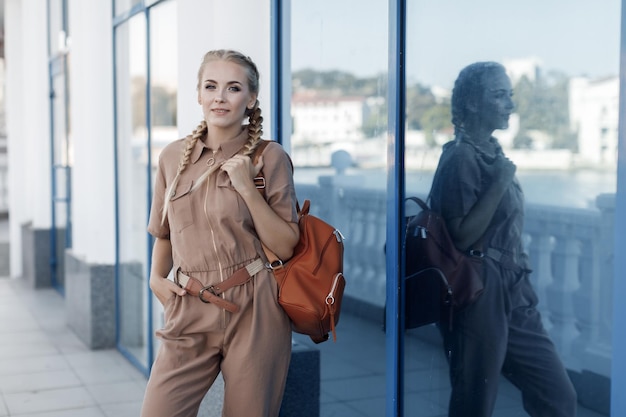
{"x": 208, "y": 220}
{"x": 476, "y": 191}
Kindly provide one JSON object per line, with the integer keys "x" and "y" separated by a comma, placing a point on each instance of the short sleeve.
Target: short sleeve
{"x": 157, "y": 227}
{"x": 280, "y": 190}
{"x": 457, "y": 183}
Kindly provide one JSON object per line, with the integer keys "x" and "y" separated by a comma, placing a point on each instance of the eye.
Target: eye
{"x": 209, "y": 87}
{"x": 234, "y": 88}
{"x": 501, "y": 94}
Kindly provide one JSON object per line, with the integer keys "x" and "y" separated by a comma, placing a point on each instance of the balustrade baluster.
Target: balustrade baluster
{"x": 560, "y": 295}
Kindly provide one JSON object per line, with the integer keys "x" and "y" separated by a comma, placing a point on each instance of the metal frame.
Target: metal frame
{"x": 53, "y": 62}
{"x": 120, "y": 19}
{"x": 394, "y": 336}
{"x": 281, "y": 71}
{"x": 618, "y": 360}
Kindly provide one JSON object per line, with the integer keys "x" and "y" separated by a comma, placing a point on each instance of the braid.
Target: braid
{"x": 255, "y": 129}
{"x": 189, "y": 143}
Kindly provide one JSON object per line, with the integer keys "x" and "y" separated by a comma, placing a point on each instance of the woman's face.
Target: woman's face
{"x": 496, "y": 104}
{"x": 224, "y": 94}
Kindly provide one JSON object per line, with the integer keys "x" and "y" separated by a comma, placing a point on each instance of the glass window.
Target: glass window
{"x": 163, "y": 92}
{"x": 132, "y": 173}
{"x": 57, "y": 26}
{"x": 61, "y": 139}
{"x": 123, "y": 6}
{"x": 338, "y": 145}
{"x": 561, "y": 135}
{"x": 139, "y": 141}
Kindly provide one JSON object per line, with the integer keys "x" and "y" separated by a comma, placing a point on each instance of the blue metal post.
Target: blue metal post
{"x": 280, "y": 68}
{"x": 618, "y": 374}
{"x": 394, "y": 404}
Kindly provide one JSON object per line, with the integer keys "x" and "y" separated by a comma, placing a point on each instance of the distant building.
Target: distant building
{"x": 323, "y": 124}
{"x": 324, "y": 119}
{"x": 594, "y": 114}
{"x": 523, "y": 67}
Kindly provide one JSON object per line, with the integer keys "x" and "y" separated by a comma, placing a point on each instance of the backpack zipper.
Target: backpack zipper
{"x": 339, "y": 237}
{"x": 330, "y": 298}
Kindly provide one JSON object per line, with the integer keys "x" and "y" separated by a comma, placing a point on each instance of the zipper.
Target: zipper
{"x": 330, "y": 298}
{"x": 330, "y": 301}
{"x": 339, "y": 237}
{"x": 217, "y": 256}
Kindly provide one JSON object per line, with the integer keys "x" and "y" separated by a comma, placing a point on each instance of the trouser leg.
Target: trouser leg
{"x": 184, "y": 370}
{"x": 256, "y": 357}
{"x": 476, "y": 348}
{"x": 533, "y": 365}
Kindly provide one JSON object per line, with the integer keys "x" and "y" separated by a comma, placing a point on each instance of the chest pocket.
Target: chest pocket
{"x": 181, "y": 215}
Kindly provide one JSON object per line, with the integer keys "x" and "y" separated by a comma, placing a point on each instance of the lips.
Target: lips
{"x": 219, "y": 111}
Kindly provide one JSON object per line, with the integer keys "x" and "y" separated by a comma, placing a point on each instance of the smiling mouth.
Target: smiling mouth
{"x": 220, "y": 111}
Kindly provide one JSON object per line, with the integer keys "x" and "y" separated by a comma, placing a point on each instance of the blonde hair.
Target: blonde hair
{"x": 255, "y": 120}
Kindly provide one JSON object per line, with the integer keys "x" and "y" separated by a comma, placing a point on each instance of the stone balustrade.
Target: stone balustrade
{"x": 571, "y": 253}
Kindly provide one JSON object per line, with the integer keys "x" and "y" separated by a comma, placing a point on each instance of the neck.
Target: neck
{"x": 477, "y": 135}
{"x": 216, "y": 135}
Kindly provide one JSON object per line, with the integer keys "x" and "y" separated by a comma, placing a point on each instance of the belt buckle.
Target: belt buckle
{"x": 476, "y": 253}
{"x": 210, "y": 289}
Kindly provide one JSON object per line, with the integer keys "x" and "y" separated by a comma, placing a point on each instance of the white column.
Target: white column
{"x": 243, "y": 25}
{"x": 92, "y": 137}
{"x": 28, "y": 120}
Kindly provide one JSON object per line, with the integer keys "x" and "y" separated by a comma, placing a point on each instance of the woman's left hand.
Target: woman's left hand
{"x": 241, "y": 172}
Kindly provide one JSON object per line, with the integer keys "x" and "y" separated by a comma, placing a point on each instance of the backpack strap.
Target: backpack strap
{"x": 259, "y": 180}
{"x": 274, "y": 262}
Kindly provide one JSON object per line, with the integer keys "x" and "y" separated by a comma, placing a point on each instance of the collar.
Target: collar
{"x": 229, "y": 148}
{"x": 487, "y": 157}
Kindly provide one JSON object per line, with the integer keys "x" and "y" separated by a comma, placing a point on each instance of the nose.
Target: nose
{"x": 219, "y": 96}
{"x": 509, "y": 104}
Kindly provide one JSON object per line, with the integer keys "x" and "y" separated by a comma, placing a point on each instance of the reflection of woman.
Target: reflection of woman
{"x": 209, "y": 219}
{"x": 477, "y": 193}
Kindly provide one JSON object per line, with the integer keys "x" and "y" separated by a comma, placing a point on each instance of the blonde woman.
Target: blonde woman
{"x": 208, "y": 220}
{"x": 478, "y": 194}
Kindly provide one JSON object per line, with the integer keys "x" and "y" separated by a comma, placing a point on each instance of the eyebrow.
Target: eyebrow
{"x": 227, "y": 83}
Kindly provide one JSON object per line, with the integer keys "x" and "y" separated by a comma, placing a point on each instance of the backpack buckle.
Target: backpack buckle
{"x": 277, "y": 264}
{"x": 259, "y": 182}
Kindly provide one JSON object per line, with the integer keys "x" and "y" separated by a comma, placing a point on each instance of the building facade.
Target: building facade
{"x": 94, "y": 90}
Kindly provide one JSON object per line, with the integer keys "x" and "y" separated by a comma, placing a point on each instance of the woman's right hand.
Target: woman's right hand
{"x": 164, "y": 289}
{"x": 501, "y": 171}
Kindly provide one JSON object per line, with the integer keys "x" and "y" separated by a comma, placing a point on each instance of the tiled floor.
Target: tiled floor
{"x": 46, "y": 371}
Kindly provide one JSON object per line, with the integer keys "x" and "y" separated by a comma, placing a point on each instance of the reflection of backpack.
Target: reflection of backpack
{"x": 439, "y": 277}
{"x": 311, "y": 282}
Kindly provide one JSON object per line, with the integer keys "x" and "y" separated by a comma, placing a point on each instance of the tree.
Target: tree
{"x": 436, "y": 119}
{"x": 543, "y": 105}
{"x": 419, "y": 100}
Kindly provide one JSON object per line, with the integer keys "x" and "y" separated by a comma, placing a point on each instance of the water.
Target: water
{"x": 577, "y": 189}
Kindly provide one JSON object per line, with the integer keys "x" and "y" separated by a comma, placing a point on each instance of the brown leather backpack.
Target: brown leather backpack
{"x": 311, "y": 282}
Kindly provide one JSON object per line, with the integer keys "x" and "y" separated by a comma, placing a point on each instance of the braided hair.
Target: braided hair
{"x": 469, "y": 85}
{"x": 255, "y": 120}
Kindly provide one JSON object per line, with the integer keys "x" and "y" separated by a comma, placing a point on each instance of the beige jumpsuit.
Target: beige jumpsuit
{"x": 212, "y": 235}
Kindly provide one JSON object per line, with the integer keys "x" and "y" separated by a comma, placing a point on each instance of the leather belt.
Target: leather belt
{"x": 505, "y": 260}
{"x": 211, "y": 293}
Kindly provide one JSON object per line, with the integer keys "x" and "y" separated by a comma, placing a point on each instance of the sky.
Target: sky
{"x": 577, "y": 37}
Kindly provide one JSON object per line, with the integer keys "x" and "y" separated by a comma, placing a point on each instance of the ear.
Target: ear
{"x": 251, "y": 103}
{"x": 472, "y": 105}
